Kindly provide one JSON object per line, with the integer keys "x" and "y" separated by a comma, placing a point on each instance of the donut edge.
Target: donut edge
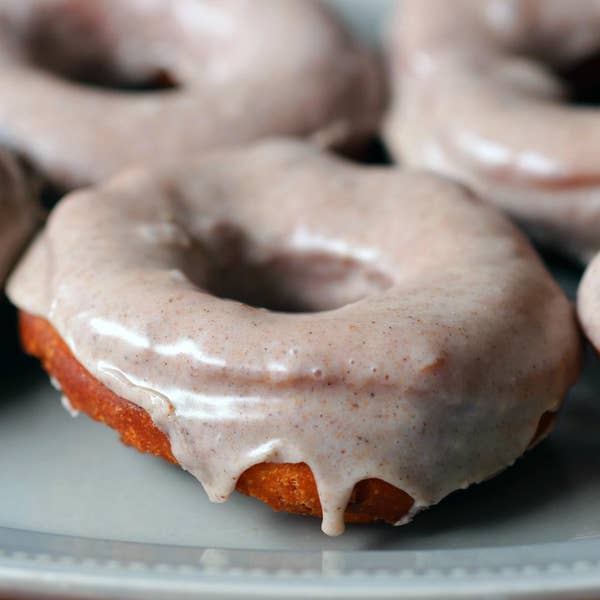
{"x": 285, "y": 487}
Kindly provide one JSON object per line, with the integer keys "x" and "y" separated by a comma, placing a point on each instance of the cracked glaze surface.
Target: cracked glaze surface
{"x": 437, "y": 339}
{"x": 477, "y": 98}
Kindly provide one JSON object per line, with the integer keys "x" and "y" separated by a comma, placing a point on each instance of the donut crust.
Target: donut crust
{"x": 288, "y": 487}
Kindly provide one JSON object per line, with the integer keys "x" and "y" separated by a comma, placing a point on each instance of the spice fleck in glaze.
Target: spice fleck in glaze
{"x": 427, "y": 343}
{"x": 479, "y": 97}
{"x": 90, "y": 86}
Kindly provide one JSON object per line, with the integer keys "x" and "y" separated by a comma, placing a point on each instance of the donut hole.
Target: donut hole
{"x": 230, "y": 266}
{"x": 582, "y": 81}
{"x": 72, "y": 40}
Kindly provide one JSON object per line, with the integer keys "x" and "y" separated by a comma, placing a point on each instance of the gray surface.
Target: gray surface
{"x": 367, "y": 17}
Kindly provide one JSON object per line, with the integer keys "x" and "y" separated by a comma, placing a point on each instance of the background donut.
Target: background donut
{"x": 488, "y": 93}
{"x": 88, "y": 87}
{"x": 19, "y": 211}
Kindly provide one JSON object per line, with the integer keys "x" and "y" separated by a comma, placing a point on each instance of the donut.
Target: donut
{"x": 588, "y": 303}
{"x": 88, "y": 87}
{"x": 489, "y": 93}
{"x": 347, "y": 341}
{"x": 19, "y": 212}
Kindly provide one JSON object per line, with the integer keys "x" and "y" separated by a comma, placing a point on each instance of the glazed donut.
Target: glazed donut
{"x": 19, "y": 212}
{"x": 230, "y": 71}
{"x": 478, "y": 96}
{"x": 376, "y": 342}
{"x": 588, "y": 302}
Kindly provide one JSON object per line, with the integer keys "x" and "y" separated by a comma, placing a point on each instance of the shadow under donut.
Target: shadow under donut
{"x": 16, "y": 368}
{"x": 566, "y": 270}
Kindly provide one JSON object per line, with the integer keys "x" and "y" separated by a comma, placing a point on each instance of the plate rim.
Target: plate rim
{"x": 55, "y": 564}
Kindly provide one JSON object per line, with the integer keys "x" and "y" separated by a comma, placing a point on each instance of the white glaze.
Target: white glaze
{"x": 66, "y": 403}
{"x": 245, "y": 69}
{"x": 451, "y": 343}
{"x": 475, "y": 99}
{"x": 19, "y": 214}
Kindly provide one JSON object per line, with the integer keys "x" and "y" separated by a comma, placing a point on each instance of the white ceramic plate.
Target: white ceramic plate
{"x": 82, "y": 516}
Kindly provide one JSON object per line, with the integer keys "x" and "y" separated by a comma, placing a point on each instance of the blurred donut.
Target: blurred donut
{"x": 88, "y": 87}
{"x": 19, "y": 212}
{"x": 481, "y": 95}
